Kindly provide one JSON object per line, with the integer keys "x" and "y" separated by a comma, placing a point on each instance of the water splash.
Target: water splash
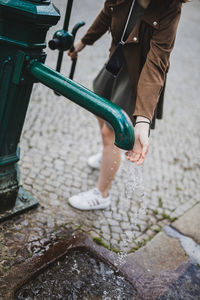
{"x": 134, "y": 193}
{"x": 134, "y": 186}
{"x": 75, "y": 267}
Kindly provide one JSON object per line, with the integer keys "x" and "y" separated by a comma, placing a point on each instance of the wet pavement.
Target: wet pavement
{"x": 59, "y": 136}
{"x": 186, "y": 287}
{"x": 75, "y": 267}
{"x": 79, "y": 275}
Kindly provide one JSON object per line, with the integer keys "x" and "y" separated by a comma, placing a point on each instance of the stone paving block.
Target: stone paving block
{"x": 115, "y": 236}
{"x": 113, "y": 222}
{"x": 49, "y": 188}
{"x": 116, "y": 229}
{"x": 189, "y": 223}
{"x": 54, "y": 202}
{"x": 113, "y": 242}
{"x": 105, "y": 229}
{"x": 125, "y": 225}
{"x": 96, "y": 224}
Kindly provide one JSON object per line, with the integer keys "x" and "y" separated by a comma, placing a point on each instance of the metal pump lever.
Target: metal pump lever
{"x": 74, "y": 61}
{"x": 64, "y": 40}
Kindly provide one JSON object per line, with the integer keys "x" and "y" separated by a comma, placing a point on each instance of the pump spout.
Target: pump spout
{"x": 119, "y": 120}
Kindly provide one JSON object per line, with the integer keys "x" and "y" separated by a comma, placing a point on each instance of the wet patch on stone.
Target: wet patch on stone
{"x": 186, "y": 287}
{"x": 188, "y": 244}
{"x": 182, "y": 283}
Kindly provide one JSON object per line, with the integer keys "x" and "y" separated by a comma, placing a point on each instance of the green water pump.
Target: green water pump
{"x": 23, "y": 28}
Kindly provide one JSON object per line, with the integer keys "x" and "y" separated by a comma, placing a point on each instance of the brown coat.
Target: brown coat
{"x": 147, "y": 48}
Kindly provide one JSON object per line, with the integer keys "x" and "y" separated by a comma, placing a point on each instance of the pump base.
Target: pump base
{"x": 24, "y": 202}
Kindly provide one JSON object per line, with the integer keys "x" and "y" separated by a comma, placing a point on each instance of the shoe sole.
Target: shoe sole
{"x": 103, "y": 206}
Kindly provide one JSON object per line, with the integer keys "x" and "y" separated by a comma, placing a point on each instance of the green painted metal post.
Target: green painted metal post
{"x": 23, "y": 28}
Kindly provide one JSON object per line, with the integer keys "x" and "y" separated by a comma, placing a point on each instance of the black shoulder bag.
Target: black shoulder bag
{"x": 117, "y": 59}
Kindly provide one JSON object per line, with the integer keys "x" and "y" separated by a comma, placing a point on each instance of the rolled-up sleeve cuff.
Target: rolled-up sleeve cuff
{"x": 147, "y": 100}
{"x": 87, "y": 41}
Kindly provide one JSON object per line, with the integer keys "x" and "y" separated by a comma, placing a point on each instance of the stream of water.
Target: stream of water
{"x": 134, "y": 191}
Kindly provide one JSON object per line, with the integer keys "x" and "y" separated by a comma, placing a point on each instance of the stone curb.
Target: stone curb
{"x": 189, "y": 223}
{"x": 165, "y": 254}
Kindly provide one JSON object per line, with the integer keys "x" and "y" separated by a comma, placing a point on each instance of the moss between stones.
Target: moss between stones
{"x": 99, "y": 241}
{"x": 160, "y": 203}
{"x": 178, "y": 188}
{"x": 166, "y": 216}
{"x": 141, "y": 244}
{"x": 157, "y": 230}
{"x": 78, "y": 227}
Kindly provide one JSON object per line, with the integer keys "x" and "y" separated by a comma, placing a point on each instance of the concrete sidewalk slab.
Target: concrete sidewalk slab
{"x": 161, "y": 253}
{"x": 189, "y": 223}
{"x": 169, "y": 270}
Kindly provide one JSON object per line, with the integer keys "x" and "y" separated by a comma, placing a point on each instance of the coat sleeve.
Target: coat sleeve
{"x": 153, "y": 74}
{"x": 99, "y": 26}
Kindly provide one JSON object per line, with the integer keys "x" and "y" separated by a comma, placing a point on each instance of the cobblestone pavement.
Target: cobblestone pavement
{"x": 58, "y": 137}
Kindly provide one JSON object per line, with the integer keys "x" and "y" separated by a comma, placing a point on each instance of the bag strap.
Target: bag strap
{"x": 129, "y": 15}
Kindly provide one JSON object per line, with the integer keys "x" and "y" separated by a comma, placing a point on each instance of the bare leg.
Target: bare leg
{"x": 101, "y": 122}
{"x": 110, "y": 160}
{"x": 110, "y": 163}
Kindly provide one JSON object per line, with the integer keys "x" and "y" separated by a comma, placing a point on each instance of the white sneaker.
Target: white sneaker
{"x": 90, "y": 200}
{"x": 94, "y": 161}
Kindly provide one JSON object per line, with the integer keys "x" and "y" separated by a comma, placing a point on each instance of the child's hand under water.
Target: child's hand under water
{"x": 141, "y": 146}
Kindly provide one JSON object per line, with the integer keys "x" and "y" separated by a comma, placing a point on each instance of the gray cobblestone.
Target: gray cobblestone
{"x": 49, "y": 188}
{"x": 116, "y": 229}
{"x": 113, "y": 242}
{"x": 115, "y": 236}
{"x": 108, "y": 214}
{"x": 112, "y": 222}
{"x": 96, "y": 224}
{"x": 125, "y": 225}
{"x": 105, "y": 229}
{"x": 117, "y": 216}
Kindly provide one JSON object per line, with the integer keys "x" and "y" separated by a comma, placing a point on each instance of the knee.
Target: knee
{"x": 107, "y": 135}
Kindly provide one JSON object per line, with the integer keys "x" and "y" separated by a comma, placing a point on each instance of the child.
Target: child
{"x": 147, "y": 29}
